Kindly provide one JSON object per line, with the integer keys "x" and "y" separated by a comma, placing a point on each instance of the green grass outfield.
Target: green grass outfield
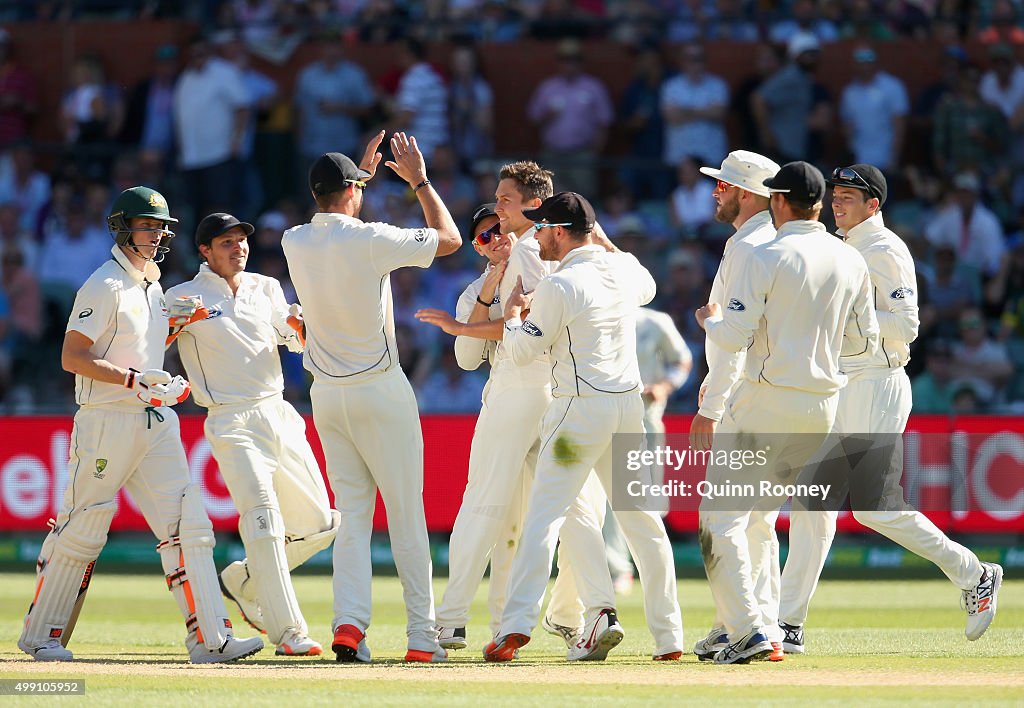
{"x": 869, "y": 642}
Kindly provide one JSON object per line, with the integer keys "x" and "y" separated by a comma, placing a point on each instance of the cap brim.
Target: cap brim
{"x": 161, "y": 217}
{"x": 774, "y": 190}
{"x": 534, "y": 214}
{"x": 711, "y": 171}
{"x": 363, "y": 174}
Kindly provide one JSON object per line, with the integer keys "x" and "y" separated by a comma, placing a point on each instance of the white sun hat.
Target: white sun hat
{"x": 746, "y": 170}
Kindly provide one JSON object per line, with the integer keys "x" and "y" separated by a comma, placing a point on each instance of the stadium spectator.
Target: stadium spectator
{"x": 70, "y": 255}
{"x": 448, "y": 388}
{"x": 766, "y": 63}
{"x": 383, "y": 21}
{"x": 689, "y": 20}
{"x": 969, "y": 227}
{"x": 18, "y": 95}
{"x": 149, "y": 115}
{"x": 92, "y": 110}
{"x": 256, "y": 18}
{"x": 332, "y": 95}
{"x": 873, "y": 109}
{"x": 693, "y": 106}
{"x": 23, "y": 184}
{"x": 494, "y": 21}
{"x": 864, "y": 22}
{"x": 558, "y": 19}
{"x": 731, "y": 24}
{"x": 684, "y": 291}
{"x": 805, "y": 17}
{"x": 932, "y": 390}
{"x": 980, "y": 359}
{"x": 1004, "y": 24}
{"x": 211, "y": 112}
{"x": 791, "y": 108}
{"x": 21, "y": 288}
{"x": 456, "y": 188}
{"x": 421, "y": 101}
{"x": 641, "y": 121}
{"x": 692, "y": 201}
{"x": 471, "y": 108}
{"x": 1003, "y": 87}
{"x": 1005, "y": 293}
{"x": 969, "y": 134}
{"x": 952, "y": 288}
{"x": 573, "y": 112}
{"x": 15, "y": 238}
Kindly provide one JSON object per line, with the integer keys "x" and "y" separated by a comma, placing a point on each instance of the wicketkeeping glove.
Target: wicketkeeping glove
{"x": 186, "y": 310}
{"x": 157, "y": 387}
{"x": 296, "y": 322}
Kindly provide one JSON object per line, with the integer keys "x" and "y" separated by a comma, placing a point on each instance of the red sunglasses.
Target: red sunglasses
{"x": 484, "y": 237}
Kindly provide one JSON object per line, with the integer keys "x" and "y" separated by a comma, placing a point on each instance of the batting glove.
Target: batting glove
{"x": 298, "y": 324}
{"x": 167, "y": 394}
{"x": 186, "y": 310}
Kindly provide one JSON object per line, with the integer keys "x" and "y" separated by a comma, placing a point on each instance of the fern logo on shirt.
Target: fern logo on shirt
{"x": 901, "y": 293}
{"x": 735, "y": 305}
{"x": 531, "y": 329}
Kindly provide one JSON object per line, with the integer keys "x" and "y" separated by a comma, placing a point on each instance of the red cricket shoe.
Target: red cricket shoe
{"x": 777, "y": 653}
{"x": 670, "y": 656}
{"x": 346, "y": 642}
{"x": 505, "y": 648}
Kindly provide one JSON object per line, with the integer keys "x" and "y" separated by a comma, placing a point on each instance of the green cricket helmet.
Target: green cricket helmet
{"x": 136, "y": 203}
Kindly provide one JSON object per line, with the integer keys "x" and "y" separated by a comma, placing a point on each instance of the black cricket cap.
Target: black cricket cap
{"x": 216, "y": 225}
{"x": 564, "y": 208}
{"x": 801, "y": 182}
{"x": 862, "y": 176}
{"x": 333, "y": 172}
{"x": 482, "y": 212}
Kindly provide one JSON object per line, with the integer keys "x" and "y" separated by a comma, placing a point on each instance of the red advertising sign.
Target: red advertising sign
{"x": 985, "y": 454}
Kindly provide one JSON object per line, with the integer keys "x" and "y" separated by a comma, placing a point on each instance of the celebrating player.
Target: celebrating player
{"x": 584, "y": 314}
{"x": 877, "y": 402}
{"x": 258, "y": 439}
{"x": 125, "y": 435}
{"x": 742, "y": 201}
{"x": 808, "y": 294}
{"x": 363, "y": 406}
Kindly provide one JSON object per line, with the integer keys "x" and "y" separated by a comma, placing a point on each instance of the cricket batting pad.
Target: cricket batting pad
{"x": 262, "y": 532}
{"x": 187, "y": 560}
{"x": 66, "y": 556}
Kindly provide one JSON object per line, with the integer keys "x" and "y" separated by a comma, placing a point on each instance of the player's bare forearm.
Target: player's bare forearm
{"x": 76, "y": 358}
{"x": 408, "y": 164}
{"x": 489, "y": 329}
{"x": 600, "y": 238}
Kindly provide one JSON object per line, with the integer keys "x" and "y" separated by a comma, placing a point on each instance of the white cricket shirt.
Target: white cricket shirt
{"x": 232, "y": 356}
{"x": 658, "y": 345}
{"x": 121, "y": 309}
{"x": 470, "y": 352}
{"x": 804, "y": 300}
{"x": 894, "y": 286}
{"x": 340, "y": 268}
{"x": 725, "y": 367}
{"x": 585, "y": 314}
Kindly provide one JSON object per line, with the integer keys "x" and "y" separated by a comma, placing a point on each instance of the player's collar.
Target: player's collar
{"x": 150, "y": 272}
{"x": 869, "y": 226}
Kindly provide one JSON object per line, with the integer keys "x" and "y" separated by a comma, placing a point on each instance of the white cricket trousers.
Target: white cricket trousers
{"x": 372, "y": 440}
{"x": 576, "y": 437}
{"x": 874, "y": 402}
{"x": 754, "y": 410}
{"x": 501, "y": 471}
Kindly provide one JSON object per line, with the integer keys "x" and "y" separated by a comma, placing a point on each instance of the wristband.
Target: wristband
{"x": 421, "y": 185}
{"x": 129, "y": 378}
{"x": 482, "y": 302}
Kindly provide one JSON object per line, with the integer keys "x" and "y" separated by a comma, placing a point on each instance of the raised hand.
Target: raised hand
{"x": 408, "y": 160}
{"x": 372, "y": 158}
{"x": 440, "y": 318}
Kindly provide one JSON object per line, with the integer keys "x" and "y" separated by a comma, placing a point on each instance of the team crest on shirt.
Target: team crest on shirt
{"x": 735, "y": 305}
{"x": 420, "y": 235}
{"x": 85, "y": 313}
{"x": 531, "y": 329}
{"x": 901, "y": 293}
{"x": 214, "y": 312}
{"x": 101, "y": 465}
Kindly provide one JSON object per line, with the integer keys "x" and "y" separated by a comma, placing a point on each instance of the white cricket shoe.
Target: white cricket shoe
{"x": 569, "y": 635}
{"x": 752, "y": 647}
{"x": 232, "y": 649}
{"x": 980, "y": 601}
{"x": 716, "y": 641}
{"x": 452, "y": 637}
{"x": 792, "y": 638}
{"x": 600, "y": 636}
{"x": 53, "y": 650}
{"x": 231, "y": 586}
{"x": 297, "y": 644}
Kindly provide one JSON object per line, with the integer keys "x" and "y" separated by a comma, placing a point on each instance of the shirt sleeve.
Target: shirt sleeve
{"x": 95, "y": 309}
{"x": 892, "y": 273}
{"x": 470, "y": 352}
{"x": 724, "y": 367}
{"x": 734, "y": 329}
{"x": 525, "y": 341}
{"x": 642, "y": 284}
{"x": 860, "y": 335}
{"x": 393, "y": 247}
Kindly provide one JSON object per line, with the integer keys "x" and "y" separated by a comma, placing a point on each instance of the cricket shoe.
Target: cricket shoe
{"x": 753, "y": 646}
{"x": 792, "y": 638}
{"x": 778, "y": 653}
{"x": 231, "y": 587}
{"x": 363, "y": 655}
{"x": 505, "y": 648}
{"x": 52, "y": 650}
{"x": 716, "y": 641}
{"x": 570, "y": 635}
{"x": 669, "y": 656}
{"x": 297, "y": 644}
{"x": 419, "y": 656}
{"x": 347, "y": 638}
{"x": 232, "y": 649}
{"x": 452, "y": 637}
{"x": 600, "y": 636}
{"x": 980, "y": 601}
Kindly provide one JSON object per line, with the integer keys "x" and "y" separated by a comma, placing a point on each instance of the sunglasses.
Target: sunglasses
{"x": 545, "y": 225}
{"x": 849, "y": 176}
{"x": 485, "y": 237}
{"x": 357, "y": 182}
{"x": 723, "y": 187}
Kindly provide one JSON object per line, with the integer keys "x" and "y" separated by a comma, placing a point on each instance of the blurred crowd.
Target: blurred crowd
{"x": 213, "y": 133}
